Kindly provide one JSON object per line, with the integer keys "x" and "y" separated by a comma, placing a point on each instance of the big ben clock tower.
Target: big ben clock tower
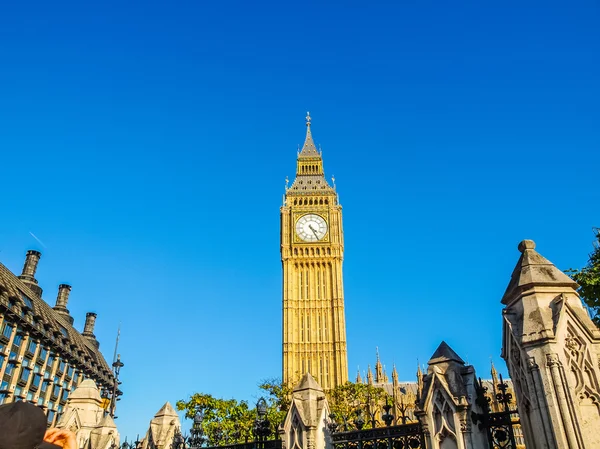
{"x": 312, "y": 250}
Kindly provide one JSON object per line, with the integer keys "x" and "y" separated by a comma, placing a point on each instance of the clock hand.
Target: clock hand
{"x": 314, "y": 231}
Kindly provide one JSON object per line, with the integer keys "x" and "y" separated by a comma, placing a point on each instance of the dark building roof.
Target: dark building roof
{"x": 445, "y": 353}
{"x": 23, "y": 306}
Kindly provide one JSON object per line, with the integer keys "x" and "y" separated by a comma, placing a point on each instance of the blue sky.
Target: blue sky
{"x": 147, "y": 144}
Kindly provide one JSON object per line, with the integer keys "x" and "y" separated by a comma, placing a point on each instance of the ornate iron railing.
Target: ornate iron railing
{"x": 266, "y": 444}
{"x": 405, "y": 436}
{"x": 499, "y": 426}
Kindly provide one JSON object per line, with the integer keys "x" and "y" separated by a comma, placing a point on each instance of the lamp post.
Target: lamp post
{"x": 116, "y": 393}
{"x": 359, "y": 422}
{"x": 196, "y": 438}
{"x": 387, "y": 416}
{"x": 371, "y": 410}
{"x": 262, "y": 426}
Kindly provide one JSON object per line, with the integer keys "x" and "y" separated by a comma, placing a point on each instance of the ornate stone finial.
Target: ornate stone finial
{"x": 526, "y": 244}
{"x": 287, "y": 182}
{"x": 308, "y": 119}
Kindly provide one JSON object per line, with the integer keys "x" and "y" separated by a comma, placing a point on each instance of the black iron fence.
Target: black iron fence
{"x": 404, "y": 436}
{"x": 267, "y": 444}
{"x": 500, "y": 426}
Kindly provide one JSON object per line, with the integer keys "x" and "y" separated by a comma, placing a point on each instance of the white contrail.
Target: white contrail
{"x": 41, "y": 243}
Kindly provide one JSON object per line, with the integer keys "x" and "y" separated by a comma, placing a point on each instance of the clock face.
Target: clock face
{"x": 311, "y": 227}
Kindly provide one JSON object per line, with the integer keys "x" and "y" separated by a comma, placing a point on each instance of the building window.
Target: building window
{"x": 56, "y": 390}
{"x": 27, "y": 301}
{"x": 50, "y": 360}
{"x": 18, "y": 339}
{"x": 43, "y": 354}
{"x": 3, "y": 397}
{"x": 30, "y": 396}
{"x": 25, "y": 374}
{"x": 7, "y": 330}
{"x": 40, "y": 400}
{"x": 64, "y": 396}
{"x": 63, "y": 331}
{"x": 70, "y": 371}
{"x": 61, "y": 366}
{"x": 32, "y": 347}
{"x": 36, "y": 380}
{"x": 9, "y": 369}
{"x": 4, "y": 386}
{"x": 50, "y": 416}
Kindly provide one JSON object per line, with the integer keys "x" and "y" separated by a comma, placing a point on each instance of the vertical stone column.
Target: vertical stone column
{"x": 551, "y": 348}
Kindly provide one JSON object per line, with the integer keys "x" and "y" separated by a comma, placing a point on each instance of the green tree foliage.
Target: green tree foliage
{"x": 279, "y": 399}
{"x": 229, "y": 421}
{"x": 588, "y": 279}
{"x": 346, "y": 401}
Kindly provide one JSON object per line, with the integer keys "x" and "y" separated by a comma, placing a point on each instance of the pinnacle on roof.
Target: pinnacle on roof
{"x": 166, "y": 410}
{"x": 308, "y": 383}
{"x": 358, "y": 378}
{"x": 493, "y": 372}
{"x": 445, "y": 353}
{"x": 534, "y": 269}
{"x": 309, "y": 149}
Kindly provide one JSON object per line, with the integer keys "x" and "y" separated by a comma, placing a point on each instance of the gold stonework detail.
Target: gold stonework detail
{"x": 314, "y": 328}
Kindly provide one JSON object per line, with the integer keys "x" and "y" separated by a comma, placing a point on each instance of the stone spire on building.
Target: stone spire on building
{"x": 358, "y": 378}
{"x": 310, "y": 176}
{"x": 309, "y": 149}
{"x": 394, "y": 376}
{"x": 419, "y": 381}
{"x": 494, "y": 373}
{"x": 378, "y": 368}
{"x": 369, "y": 376}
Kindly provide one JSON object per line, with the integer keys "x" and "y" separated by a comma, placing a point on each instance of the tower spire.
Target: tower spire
{"x": 369, "y": 376}
{"x": 309, "y": 149}
{"x": 378, "y": 368}
{"x": 494, "y": 373}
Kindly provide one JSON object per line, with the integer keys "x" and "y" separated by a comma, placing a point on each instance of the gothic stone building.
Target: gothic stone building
{"x": 42, "y": 356}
